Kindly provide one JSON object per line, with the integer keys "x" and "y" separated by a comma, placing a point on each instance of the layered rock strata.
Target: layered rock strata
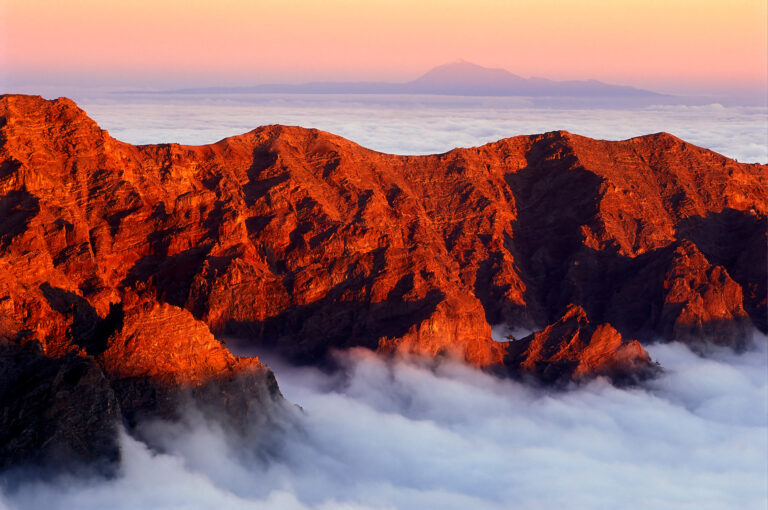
{"x": 132, "y": 262}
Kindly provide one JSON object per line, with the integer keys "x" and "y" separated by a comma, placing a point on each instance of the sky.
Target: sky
{"x": 672, "y": 46}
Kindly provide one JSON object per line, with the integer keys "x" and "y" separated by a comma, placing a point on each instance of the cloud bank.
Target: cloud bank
{"x": 413, "y": 434}
{"x": 423, "y": 124}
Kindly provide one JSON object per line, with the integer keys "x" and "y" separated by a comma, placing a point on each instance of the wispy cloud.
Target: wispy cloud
{"x": 414, "y": 434}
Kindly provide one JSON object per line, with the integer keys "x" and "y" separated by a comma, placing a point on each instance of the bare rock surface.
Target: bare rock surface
{"x": 133, "y": 262}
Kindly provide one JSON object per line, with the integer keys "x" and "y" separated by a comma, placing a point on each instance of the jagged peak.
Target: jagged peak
{"x": 574, "y": 311}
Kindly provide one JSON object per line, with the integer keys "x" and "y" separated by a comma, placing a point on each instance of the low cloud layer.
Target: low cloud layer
{"x": 423, "y": 124}
{"x": 411, "y": 434}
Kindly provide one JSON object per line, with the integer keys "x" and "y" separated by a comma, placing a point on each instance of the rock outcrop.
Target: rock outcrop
{"x": 132, "y": 260}
{"x": 55, "y": 411}
{"x": 144, "y": 360}
{"x": 573, "y": 349}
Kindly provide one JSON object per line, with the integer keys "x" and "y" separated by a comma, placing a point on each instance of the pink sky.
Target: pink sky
{"x": 665, "y": 45}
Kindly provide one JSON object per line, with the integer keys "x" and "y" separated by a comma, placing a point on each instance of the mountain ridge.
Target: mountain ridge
{"x": 127, "y": 264}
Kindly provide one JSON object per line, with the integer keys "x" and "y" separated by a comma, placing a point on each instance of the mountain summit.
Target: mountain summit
{"x": 466, "y": 78}
{"x": 459, "y": 78}
{"x": 466, "y": 74}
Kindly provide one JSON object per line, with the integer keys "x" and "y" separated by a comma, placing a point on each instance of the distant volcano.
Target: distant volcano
{"x": 459, "y": 78}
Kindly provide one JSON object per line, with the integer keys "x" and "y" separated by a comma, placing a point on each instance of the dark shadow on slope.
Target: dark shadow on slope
{"x": 17, "y": 208}
{"x": 88, "y": 330}
{"x": 306, "y": 333}
{"x": 554, "y": 197}
{"x": 172, "y": 276}
{"x": 630, "y": 294}
{"x": 258, "y": 185}
{"x": 493, "y": 297}
{"x": 57, "y": 415}
{"x": 627, "y": 292}
{"x": 8, "y": 167}
{"x": 736, "y": 240}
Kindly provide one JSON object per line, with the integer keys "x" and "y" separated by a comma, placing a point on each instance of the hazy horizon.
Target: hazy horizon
{"x": 21, "y": 83}
{"x": 424, "y": 124}
{"x": 680, "y": 47}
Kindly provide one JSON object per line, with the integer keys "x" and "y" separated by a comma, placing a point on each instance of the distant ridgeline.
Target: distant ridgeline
{"x": 459, "y": 79}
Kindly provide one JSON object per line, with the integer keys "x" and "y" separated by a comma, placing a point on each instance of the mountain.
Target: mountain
{"x": 467, "y": 79}
{"x": 122, "y": 267}
{"x": 458, "y": 78}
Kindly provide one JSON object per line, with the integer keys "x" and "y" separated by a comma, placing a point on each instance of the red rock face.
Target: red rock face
{"x": 302, "y": 241}
{"x": 572, "y": 348}
{"x": 701, "y": 301}
{"x": 165, "y": 343}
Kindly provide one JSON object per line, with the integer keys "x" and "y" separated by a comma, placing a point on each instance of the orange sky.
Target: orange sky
{"x": 667, "y": 45}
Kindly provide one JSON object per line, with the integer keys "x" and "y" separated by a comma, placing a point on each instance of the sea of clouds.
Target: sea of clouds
{"x": 423, "y": 124}
{"x": 416, "y": 434}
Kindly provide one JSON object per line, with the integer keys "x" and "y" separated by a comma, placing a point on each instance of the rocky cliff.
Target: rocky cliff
{"x": 137, "y": 259}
